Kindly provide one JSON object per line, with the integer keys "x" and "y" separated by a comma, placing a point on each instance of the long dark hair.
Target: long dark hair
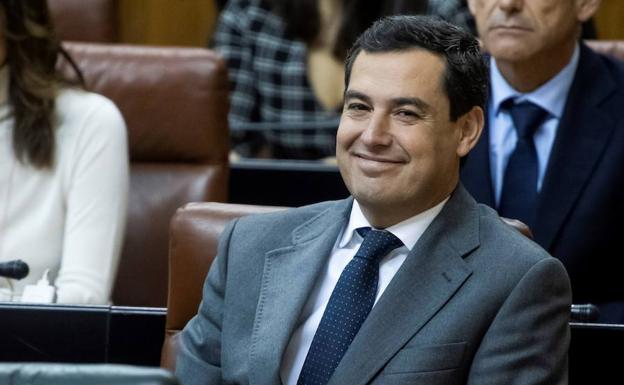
{"x": 32, "y": 50}
{"x": 303, "y": 19}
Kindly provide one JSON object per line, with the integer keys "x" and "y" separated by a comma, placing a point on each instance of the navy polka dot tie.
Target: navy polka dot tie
{"x": 349, "y": 305}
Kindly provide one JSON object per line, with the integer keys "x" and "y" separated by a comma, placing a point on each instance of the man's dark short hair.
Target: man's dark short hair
{"x": 466, "y": 76}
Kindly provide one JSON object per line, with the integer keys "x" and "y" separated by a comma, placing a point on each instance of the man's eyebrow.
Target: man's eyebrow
{"x": 352, "y": 94}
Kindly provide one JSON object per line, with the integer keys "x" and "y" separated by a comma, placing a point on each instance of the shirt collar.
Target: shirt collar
{"x": 408, "y": 231}
{"x": 549, "y": 96}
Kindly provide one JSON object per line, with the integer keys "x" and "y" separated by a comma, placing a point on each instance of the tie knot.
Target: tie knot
{"x": 376, "y": 243}
{"x": 527, "y": 117}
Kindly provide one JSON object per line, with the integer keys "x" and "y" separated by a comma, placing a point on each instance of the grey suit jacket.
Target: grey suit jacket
{"x": 474, "y": 303}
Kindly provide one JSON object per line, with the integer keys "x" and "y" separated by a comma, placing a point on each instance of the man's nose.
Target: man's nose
{"x": 510, "y": 6}
{"x": 377, "y": 132}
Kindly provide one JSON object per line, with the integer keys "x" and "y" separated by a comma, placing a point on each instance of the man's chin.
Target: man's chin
{"x": 374, "y": 198}
{"x": 509, "y": 52}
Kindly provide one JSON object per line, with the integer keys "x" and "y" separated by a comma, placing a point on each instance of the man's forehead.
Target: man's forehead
{"x": 406, "y": 73}
{"x": 405, "y": 63}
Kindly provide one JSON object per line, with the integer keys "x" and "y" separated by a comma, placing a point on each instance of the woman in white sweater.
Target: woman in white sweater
{"x": 63, "y": 166}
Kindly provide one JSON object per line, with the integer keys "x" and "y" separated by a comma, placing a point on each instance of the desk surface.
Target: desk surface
{"x": 109, "y": 334}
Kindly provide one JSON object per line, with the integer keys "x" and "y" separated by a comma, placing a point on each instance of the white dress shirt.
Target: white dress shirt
{"x": 409, "y": 232}
{"x": 551, "y": 96}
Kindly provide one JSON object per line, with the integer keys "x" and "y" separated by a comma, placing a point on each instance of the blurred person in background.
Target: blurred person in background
{"x": 455, "y": 12}
{"x": 63, "y": 166}
{"x": 552, "y": 150}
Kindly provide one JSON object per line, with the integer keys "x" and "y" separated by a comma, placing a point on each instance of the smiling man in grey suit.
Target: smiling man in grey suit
{"x": 440, "y": 291}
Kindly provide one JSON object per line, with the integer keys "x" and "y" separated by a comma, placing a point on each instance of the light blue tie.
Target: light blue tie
{"x": 349, "y": 305}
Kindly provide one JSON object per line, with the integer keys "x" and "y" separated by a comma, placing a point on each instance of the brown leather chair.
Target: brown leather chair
{"x": 614, "y": 48}
{"x": 194, "y": 235}
{"x": 85, "y": 20}
{"x": 520, "y": 226}
{"x": 174, "y": 102}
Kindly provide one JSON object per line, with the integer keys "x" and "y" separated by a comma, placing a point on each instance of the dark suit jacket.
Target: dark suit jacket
{"x": 581, "y": 205}
{"x": 475, "y": 302}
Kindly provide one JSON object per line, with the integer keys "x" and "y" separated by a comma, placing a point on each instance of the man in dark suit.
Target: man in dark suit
{"x": 573, "y": 201}
{"x": 410, "y": 280}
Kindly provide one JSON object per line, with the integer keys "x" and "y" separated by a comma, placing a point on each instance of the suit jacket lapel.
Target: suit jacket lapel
{"x": 432, "y": 273}
{"x": 583, "y": 133}
{"x": 289, "y": 275}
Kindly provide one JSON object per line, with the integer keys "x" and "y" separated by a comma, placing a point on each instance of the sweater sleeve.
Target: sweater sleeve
{"x": 95, "y": 198}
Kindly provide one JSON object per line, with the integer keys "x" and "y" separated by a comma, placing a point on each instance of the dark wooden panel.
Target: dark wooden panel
{"x": 81, "y": 334}
{"x": 596, "y": 352}
{"x": 284, "y": 182}
{"x": 53, "y": 333}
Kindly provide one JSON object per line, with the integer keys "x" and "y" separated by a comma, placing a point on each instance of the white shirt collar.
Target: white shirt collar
{"x": 408, "y": 231}
{"x": 550, "y": 96}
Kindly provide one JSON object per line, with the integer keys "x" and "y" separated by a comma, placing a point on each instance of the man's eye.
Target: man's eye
{"x": 357, "y": 107}
{"x": 407, "y": 114}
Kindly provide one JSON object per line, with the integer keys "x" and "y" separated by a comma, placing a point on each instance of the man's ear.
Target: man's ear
{"x": 471, "y": 126}
{"x": 585, "y": 9}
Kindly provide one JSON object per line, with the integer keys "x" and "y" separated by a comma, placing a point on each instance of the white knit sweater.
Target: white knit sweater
{"x": 69, "y": 219}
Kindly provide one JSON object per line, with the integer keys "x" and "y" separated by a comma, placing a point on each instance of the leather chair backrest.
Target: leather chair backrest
{"x": 174, "y": 102}
{"x": 614, "y": 48}
{"x": 194, "y": 236}
{"x": 85, "y": 20}
{"x": 519, "y": 226}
